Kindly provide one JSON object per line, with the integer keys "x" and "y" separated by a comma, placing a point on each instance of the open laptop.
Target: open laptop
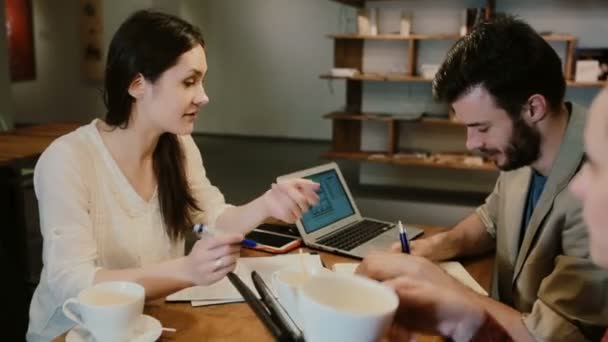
{"x": 335, "y": 224}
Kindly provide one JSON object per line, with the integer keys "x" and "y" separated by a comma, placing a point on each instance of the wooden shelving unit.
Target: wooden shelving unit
{"x": 413, "y": 36}
{"x": 420, "y": 79}
{"x": 355, "y": 3}
{"x": 587, "y": 84}
{"x": 347, "y": 127}
{"x": 347, "y": 124}
{"x": 458, "y": 162}
{"x": 386, "y": 117}
{"x": 379, "y": 77}
{"x": 353, "y": 43}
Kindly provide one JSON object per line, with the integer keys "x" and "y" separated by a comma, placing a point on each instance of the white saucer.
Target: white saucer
{"x": 147, "y": 329}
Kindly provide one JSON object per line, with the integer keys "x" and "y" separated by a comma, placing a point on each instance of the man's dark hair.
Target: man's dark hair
{"x": 509, "y": 59}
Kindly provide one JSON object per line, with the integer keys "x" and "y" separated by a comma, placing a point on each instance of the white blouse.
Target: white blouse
{"x": 92, "y": 218}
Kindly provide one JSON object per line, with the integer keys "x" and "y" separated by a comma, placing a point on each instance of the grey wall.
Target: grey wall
{"x": 6, "y": 100}
{"x": 59, "y": 92}
{"x": 265, "y": 57}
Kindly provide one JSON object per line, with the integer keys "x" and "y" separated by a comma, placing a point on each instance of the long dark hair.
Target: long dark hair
{"x": 149, "y": 43}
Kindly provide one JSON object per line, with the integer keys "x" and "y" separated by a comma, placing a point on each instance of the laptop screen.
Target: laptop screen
{"x": 333, "y": 205}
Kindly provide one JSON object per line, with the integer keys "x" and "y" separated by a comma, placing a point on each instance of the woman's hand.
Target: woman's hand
{"x": 287, "y": 200}
{"x": 212, "y": 257}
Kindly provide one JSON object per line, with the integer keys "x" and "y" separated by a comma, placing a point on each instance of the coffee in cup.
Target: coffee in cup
{"x": 286, "y": 283}
{"x": 345, "y": 307}
{"x": 107, "y": 310}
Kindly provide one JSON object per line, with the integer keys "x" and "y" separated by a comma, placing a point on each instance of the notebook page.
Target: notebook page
{"x": 453, "y": 268}
{"x": 265, "y": 266}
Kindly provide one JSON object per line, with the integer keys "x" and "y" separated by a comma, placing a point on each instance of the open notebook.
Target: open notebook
{"x": 453, "y": 268}
{"x": 223, "y": 291}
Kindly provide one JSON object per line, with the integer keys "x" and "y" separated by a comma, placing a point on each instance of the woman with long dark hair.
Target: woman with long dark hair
{"x": 118, "y": 196}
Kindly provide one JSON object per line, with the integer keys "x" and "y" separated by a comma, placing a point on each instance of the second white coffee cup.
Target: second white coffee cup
{"x": 107, "y": 310}
{"x": 286, "y": 283}
{"x": 345, "y": 307}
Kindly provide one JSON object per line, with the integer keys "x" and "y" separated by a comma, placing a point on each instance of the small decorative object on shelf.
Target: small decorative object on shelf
{"x": 591, "y": 64}
{"x": 373, "y": 21}
{"x": 363, "y": 26}
{"x": 406, "y": 23}
{"x": 343, "y": 72}
{"x": 587, "y": 70}
{"x": 470, "y": 17}
{"x": 429, "y": 70}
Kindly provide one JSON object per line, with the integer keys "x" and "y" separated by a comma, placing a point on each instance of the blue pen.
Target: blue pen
{"x": 405, "y": 246}
{"x": 199, "y": 228}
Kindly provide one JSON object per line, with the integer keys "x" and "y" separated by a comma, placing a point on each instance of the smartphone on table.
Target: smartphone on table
{"x": 273, "y": 240}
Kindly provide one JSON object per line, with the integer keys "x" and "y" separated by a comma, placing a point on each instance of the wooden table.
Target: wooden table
{"x": 237, "y": 322}
{"x": 24, "y": 145}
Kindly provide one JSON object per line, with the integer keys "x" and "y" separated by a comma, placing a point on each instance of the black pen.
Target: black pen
{"x": 258, "y": 307}
{"x": 281, "y": 317}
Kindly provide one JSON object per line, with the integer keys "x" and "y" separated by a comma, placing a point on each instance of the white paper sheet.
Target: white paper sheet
{"x": 453, "y": 268}
{"x": 224, "y": 292}
{"x": 456, "y": 270}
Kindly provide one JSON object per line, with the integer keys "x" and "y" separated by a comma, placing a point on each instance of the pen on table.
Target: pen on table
{"x": 199, "y": 228}
{"x": 405, "y": 246}
{"x": 257, "y": 306}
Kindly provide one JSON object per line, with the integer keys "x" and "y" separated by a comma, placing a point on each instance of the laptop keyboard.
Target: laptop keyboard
{"x": 355, "y": 235}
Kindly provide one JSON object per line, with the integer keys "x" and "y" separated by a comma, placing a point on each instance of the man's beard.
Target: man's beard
{"x": 523, "y": 148}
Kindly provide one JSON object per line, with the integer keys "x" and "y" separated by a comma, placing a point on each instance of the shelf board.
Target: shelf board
{"x": 387, "y": 117}
{"x": 380, "y": 77}
{"x": 420, "y": 79}
{"x": 414, "y": 36}
{"x": 434, "y": 36}
{"x": 359, "y": 116}
{"x": 440, "y": 122}
{"x": 559, "y": 37}
{"x": 587, "y": 84}
{"x": 381, "y": 157}
{"x": 355, "y": 3}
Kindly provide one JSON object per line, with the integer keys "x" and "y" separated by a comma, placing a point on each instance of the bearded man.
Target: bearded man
{"x": 504, "y": 82}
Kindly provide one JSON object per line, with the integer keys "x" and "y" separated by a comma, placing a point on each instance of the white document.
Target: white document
{"x": 346, "y": 267}
{"x": 453, "y": 268}
{"x": 224, "y": 292}
{"x": 456, "y": 270}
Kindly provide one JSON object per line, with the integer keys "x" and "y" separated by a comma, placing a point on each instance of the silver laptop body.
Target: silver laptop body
{"x": 336, "y": 212}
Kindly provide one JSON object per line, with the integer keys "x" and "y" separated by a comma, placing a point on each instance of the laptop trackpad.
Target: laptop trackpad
{"x": 380, "y": 243}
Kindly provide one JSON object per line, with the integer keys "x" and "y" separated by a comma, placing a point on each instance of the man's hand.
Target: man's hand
{"x": 435, "y": 248}
{"x": 431, "y": 308}
{"x": 386, "y": 266}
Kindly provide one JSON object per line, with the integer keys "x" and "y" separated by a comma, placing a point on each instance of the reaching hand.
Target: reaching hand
{"x": 386, "y": 266}
{"x": 288, "y": 200}
{"x": 431, "y": 308}
{"x": 212, "y": 257}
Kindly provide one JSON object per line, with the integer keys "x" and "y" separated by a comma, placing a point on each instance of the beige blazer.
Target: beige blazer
{"x": 550, "y": 277}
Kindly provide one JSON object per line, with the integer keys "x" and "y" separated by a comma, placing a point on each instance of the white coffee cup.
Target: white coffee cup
{"x": 345, "y": 307}
{"x": 107, "y": 310}
{"x": 286, "y": 283}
